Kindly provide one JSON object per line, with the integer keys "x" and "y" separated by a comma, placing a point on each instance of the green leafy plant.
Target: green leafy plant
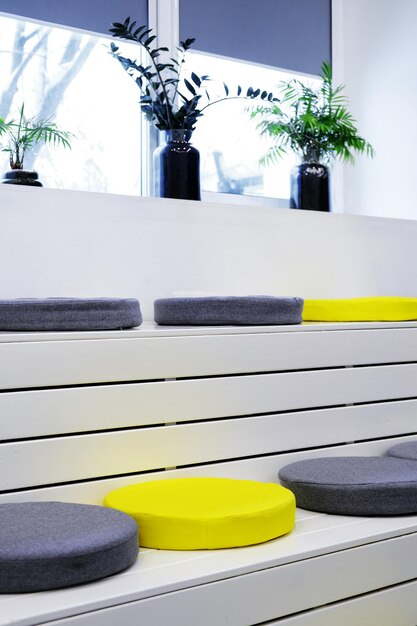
{"x": 22, "y": 134}
{"x": 168, "y": 101}
{"x": 314, "y": 123}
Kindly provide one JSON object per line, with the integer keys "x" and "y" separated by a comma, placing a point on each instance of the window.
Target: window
{"x": 70, "y": 76}
{"x": 229, "y": 143}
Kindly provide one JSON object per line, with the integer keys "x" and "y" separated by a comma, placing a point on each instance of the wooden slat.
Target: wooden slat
{"x": 395, "y": 606}
{"x": 54, "y": 363}
{"x": 260, "y": 468}
{"x": 80, "y": 457}
{"x": 305, "y": 569}
{"x": 239, "y": 586}
{"x": 151, "y": 329}
{"x": 241, "y": 601}
{"x": 26, "y": 414}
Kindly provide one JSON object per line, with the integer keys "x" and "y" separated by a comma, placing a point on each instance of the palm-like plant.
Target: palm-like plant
{"x": 24, "y": 133}
{"x": 168, "y": 101}
{"x": 313, "y": 123}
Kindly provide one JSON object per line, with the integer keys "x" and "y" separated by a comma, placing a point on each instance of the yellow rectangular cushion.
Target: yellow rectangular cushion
{"x": 378, "y": 309}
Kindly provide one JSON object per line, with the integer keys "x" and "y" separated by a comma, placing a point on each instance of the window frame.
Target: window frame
{"x": 164, "y": 16}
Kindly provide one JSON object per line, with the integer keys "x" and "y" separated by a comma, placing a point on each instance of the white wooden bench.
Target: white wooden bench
{"x": 81, "y": 414}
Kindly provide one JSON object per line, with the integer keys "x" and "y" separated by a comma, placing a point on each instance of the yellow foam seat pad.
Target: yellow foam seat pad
{"x": 206, "y": 513}
{"x": 380, "y": 309}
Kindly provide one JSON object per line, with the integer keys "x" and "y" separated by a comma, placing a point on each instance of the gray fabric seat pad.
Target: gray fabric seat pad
{"x": 353, "y": 485}
{"x": 69, "y": 314}
{"x": 48, "y": 545}
{"x": 228, "y": 310}
{"x": 407, "y": 450}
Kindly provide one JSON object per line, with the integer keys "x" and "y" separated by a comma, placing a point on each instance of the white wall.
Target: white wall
{"x": 63, "y": 243}
{"x": 375, "y": 56}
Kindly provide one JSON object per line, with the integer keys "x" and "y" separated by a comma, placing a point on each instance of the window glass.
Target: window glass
{"x": 229, "y": 143}
{"x": 70, "y": 76}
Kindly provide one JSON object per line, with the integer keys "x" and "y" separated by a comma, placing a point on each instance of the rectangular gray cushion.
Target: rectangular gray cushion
{"x": 69, "y": 314}
{"x": 228, "y": 310}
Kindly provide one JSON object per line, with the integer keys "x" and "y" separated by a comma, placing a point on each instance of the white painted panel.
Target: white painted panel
{"x": 79, "y": 457}
{"x": 261, "y": 468}
{"x": 52, "y": 363}
{"x": 242, "y": 600}
{"x": 25, "y": 414}
{"x": 68, "y": 243}
{"x": 381, "y": 186}
{"x": 395, "y": 606}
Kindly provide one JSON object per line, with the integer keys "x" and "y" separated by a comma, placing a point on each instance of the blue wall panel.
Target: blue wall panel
{"x": 291, "y": 34}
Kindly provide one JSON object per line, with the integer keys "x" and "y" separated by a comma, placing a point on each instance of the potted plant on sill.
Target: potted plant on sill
{"x": 317, "y": 126}
{"x": 173, "y": 105}
{"x": 22, "y": 135}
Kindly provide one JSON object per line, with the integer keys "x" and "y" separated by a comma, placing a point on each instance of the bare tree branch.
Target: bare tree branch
{"x": 71, "y": 49}
{"x": 55, "y": 94}
{"x": 11, "y": 90}
{"x": 20, "y": 40}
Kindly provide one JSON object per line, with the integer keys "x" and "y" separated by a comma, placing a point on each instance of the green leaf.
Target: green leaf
{"x": 310, "y": 119}
{"x": 196, "y": 79}
{"x": 189, "y": 87}
{"x": 148, "y": 42}
{"x": 161, "y": 101}
{"x": 143, "y": 35}
{"x": 187, "y": 43}
{"x": 138, "y": 31}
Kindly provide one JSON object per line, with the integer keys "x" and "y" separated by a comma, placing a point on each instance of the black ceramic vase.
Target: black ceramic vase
{"x": 21, "y": 177}
{"x": 177, "y": 167}
{"x": 310, "y": 185}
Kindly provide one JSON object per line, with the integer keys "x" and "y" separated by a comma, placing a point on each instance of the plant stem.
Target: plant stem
{"x": 179, "y": 76}
{"x": 161, "y": 82}
{"x": 223, "y": 99}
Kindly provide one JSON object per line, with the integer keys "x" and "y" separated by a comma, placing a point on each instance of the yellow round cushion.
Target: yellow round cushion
{"x": 206, "y": 513}
{"x": 381, "y": 309}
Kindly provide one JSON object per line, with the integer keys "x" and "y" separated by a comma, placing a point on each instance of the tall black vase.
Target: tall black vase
{"x": 310, "y": 187}
{"x": 177, "y": 167}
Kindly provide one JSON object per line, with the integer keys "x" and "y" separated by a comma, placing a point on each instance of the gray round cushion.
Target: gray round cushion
{"x": 69, "y": 314}
{"x": 48, "y": 545}
{"x": 353, "y": 485}
{"x": 407, "y": 450}
{"x": 238, "y": 310}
